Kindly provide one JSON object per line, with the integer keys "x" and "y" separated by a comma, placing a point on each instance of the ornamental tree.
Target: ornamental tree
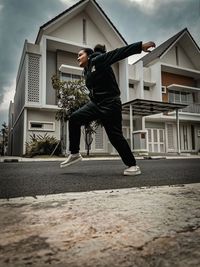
{"x": 72, "y": 95}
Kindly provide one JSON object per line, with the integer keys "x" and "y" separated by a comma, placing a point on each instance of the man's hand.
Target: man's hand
{"x": 148, "y": 45}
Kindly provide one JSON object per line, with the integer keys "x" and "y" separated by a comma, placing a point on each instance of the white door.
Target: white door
{"x": 99, "y": 144}
{"x": 186, "y": 137}
{"x": 156, "y": 140}
{"x": 98, "y": 141}
{"x": 171, "y": 138}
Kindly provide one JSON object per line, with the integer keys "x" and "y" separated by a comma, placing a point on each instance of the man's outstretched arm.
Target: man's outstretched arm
{"x": 118, "y": 54}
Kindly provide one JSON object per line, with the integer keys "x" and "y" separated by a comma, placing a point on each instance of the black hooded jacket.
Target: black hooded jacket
{"x": 99, "y": 76}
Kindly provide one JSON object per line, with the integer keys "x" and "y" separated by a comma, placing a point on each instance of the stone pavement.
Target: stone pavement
{"x": 137, "y": 227}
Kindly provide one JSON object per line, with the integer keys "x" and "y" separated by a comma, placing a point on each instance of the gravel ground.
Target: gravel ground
{"x": 135, "y": 227}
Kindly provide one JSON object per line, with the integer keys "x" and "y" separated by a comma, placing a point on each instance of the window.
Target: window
{"x": 177, "y": 96}
{"x": 131, "y": 85}
{"x": 36, "y": 125}
{"x": 76, "y": 77}
{"x": 180, "y": 97}
{"x": 183, "y": 97}
{"x": 70, "y": 77}
{"x": 84, "y": 31}
{"x": 41, "y": 126}
{"x": 146, "y": 88}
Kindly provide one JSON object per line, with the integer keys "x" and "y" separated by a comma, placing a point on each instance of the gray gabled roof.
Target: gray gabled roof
{"x": 71, "y": 8}
{"x": 160, "y": 50}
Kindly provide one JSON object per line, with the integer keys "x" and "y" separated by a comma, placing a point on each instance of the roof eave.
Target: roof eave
{"x": 48, "y": 23}
{"x": 110, "y": 22}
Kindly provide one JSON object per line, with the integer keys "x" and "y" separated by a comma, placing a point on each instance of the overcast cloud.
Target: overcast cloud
{"x": 155, "y": 20}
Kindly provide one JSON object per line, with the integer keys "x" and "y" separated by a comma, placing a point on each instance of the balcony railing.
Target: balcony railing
{"x": 192, "y": 108}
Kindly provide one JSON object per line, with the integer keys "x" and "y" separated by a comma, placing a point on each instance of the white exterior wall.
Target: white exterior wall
{"x": 18, "y": 136}
{"x": 42, "y": 116}
{"x": 51, "y": 70}
{"x": 19, "y": 98}
{"x": 66, "y": 58}
{"x": 123, "y": 80}
{"x": 170, "y": 57}
{"x": 135, "y": 76}
{"x": 184, "y": 60}
{"x": 72, "y": 31}
{"x": 156, "y": 92}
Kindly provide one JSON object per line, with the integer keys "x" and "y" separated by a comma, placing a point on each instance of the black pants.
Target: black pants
{"x": 110, "y": 114}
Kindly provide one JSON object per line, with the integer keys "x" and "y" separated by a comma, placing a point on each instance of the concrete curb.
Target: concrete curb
{"x": 21, "y": 159}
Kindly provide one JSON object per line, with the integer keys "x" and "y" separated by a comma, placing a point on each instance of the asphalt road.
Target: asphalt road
{"x": 43, "y": 178}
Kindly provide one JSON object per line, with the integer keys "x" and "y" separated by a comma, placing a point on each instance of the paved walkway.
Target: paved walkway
{"x": 157, "y": 226}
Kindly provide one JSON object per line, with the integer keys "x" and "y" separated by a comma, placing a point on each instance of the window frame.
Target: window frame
{"x": 43, "y": 129}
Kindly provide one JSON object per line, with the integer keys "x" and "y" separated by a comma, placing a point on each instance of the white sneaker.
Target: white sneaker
{"x": 133, "y": 170}
{"x": 72, "y": 158}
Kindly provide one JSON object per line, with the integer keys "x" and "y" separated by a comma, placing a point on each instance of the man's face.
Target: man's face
{"x": 82, "y": 58}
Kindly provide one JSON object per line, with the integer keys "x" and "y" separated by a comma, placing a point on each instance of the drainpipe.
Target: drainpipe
{"x": 131, "y": 127}
{"x": 178, "y": 132}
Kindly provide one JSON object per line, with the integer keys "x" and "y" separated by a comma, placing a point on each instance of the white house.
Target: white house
{"x": 171, "y": 73}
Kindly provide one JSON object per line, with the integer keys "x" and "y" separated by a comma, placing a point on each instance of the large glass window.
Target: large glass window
{"x": 70, "y": 77}
{"x": 180, "y": 97}
{"x": 84, "y": 31}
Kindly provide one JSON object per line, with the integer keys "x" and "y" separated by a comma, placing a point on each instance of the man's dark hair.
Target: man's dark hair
{"x": 100, "y": 48}
{"x": 88, "y": 51}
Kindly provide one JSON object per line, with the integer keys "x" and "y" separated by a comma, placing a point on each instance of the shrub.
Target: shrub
{"x": 42, "y": 145}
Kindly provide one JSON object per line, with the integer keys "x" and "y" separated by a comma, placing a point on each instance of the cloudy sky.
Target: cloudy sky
{"x": 136, "y": 20}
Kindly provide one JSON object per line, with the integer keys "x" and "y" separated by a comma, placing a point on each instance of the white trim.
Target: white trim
{"x": 69, "y": 67}
{"x": 43, "y": 70}
{"x": 25, "y": 130}
{"x": 41, "y": 129}
{"x": 64, "y": 41}
{"x": 176, "y": 41}
{"x": 108, "y": 22}
{"x": 65, "y": 15}
{"x": 166, "y": 137}
{"x": 179, "y": 86}
{"x": 26, "y": 79}
{"x": 127, "y": 82}
{"x": 178, "y": 132}
{"x": 165, "y": 89}
{"x": 131, "y": 127}
{"x": 79, "y": 6}
{"x": 149, "y": 84}
{"x": 174, "y": 67}
{"x": 190, "y": 114}
{"x": 40, "y": 80}
{"x": 133, "y": 81}
{"x": 39, "y": 106}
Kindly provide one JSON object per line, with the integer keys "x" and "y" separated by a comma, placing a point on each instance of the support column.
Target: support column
{"x": 131, "y": 127}
{"x": 178, "y": 132}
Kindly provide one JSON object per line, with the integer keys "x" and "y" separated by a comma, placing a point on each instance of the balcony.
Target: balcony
{"x": 192, "y": 108}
